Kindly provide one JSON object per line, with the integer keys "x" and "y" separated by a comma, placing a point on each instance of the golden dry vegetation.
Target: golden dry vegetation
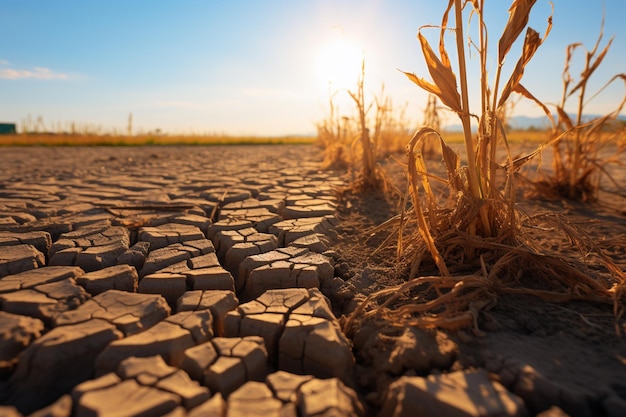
{"x": 476, "y": 237}
{"x": 47, "y": 139}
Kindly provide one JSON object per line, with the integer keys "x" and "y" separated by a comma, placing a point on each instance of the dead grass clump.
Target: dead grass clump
{"x": 432, "y": 119}
{"x": 332, "y": 134}
{"x": 371, "y": 175}
{"x": 358, "y": 141}
{"x": 475, "y": 236}
{"x": 587, "y": 147}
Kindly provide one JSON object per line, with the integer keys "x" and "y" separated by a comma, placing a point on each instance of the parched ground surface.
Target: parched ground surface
{"x": 216, "y": 281}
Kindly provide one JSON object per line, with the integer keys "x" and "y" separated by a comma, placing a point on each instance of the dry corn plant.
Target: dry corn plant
{"x": 581, "y": 157}
{"x": 332, "y": 133}
{"x": 476, "y": 237}
{"x": 349, "y": 141}
{"x": 432, "y": 119}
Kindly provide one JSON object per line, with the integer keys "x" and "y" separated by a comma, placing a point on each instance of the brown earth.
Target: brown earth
{"x": 565, "y": 354}
{"x": 569, "y": 353}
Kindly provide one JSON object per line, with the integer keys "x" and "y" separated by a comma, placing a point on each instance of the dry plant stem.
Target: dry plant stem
{"x": 577, "y": 145}
{"x": 424, "y": 227}
{"x": 577, "y": 164}
{"x": 366, "y": 145}
{"x": 482, "y": 229}
{"x": 456, "y": 284}
{"x": 473, "y": 178}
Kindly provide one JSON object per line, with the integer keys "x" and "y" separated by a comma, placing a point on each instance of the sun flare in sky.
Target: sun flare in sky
{"x": 250, "y": 67}
{"x": 338, "y": 65}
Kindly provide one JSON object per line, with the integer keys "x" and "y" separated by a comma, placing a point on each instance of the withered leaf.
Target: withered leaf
{"x": 518, "y": 19}
{"x": 531, "y": 43}
{"x": 442, "y": 76}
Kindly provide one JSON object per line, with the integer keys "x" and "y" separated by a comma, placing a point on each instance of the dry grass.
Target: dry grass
{"x": 45, "y": 139}
{"x": 356, "y": 142}
{"x": 586, "y": 147}
{"x": 475, "y": 236}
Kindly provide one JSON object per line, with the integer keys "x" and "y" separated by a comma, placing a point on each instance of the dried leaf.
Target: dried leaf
{"x": 520, "y": 89}
{"x": 414, "y": 160}
{"x": 586, "y": 74}
{"x": 518, "y": 19}
{"x": 442, "y": 76}
{"x": 422, "y": 83}
{"x": 444, "y": 23}
{"x": 569, "y": 52}
{"x": 531, "y": 43}
{"x": 619, "y": 108}
{"x": 564, "y": 118}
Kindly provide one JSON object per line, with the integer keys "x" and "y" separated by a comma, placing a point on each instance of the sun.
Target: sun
{"x": 338, "y": 64}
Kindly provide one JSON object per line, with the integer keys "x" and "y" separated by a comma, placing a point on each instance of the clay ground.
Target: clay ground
{"x": 571, "y": 349}
{"x": 549, "y": 354}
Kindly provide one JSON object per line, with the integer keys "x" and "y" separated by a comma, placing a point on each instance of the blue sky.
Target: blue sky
{"x": 250, "y": 66}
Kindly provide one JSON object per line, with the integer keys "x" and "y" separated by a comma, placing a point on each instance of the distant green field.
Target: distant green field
{"x": 112, "y": 140}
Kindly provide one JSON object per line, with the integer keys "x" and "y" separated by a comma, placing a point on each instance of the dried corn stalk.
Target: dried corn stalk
{"x": 481, "y": 234}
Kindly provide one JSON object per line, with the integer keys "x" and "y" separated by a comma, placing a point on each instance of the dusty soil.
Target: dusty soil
{"x": 571, "y": 349}
{"x": 550, "y": 353}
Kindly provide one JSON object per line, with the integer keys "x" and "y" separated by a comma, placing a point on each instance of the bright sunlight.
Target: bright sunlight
{"x": 339, "y": 65}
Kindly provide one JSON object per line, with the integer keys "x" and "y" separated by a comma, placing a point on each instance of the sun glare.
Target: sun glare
{"x": 339, "y": 65}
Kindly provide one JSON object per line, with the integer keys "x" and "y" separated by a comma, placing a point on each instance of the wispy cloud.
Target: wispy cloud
{"x": 38, "y": 73}
{"x": 4, "y": 62}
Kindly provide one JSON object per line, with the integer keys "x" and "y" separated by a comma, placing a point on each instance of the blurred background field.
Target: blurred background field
{"x": 51, "y": 139}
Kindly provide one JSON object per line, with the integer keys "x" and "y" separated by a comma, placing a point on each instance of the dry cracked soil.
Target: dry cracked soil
{"x": 200, "y": 281}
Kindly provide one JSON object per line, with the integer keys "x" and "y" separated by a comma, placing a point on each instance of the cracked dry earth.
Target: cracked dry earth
{"x": 212, "y": 281}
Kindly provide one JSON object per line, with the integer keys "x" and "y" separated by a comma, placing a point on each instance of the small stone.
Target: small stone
{"x": 17, "y": 332}
{"x": 39, "y": 239}
{"x": 130, "y": 313}
{"x": 286, "y": 385}
{"x": 201, "y": 222}
{"x": 170, "y": 285}
{"x": 128, "y": 398}
{"x": 9, "y": 411}
{"x": 164, "y": 257}
{"x": 288, "y": 231}
{"x": 214, "y": 407}
{"x": 60, "y": 408}
{"x": 198, "y": 359}
{"x": 69, "y": 351}
{"x": 313, "y": 210}
{"x": 167, "y": 234}
{"x": 106, "y": 381}
{"x": 19, "y": 258}
{"x": 469, "y": 393}
{"x": 155, "y": 372}
{"x": 169, "y": 339}
{"x": 45, "y": 301}
{"x": 422, "y": 350}
{"x": 254, "y": 399}
{"x": 118, "y": 277}
{"x": 315, "y": 346}
{"x": 317, "y": 243}
{"x": 227, "y": 224}
{"x": 214, "y": 278}
{"x": 91, "y": 247}
{"x": 219, "y": 302}
{"x": 135, "y": 256}
{"x": 555, "y": 411}
{"x": 539, "y": 392}
{"x": 322, "y": 397}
